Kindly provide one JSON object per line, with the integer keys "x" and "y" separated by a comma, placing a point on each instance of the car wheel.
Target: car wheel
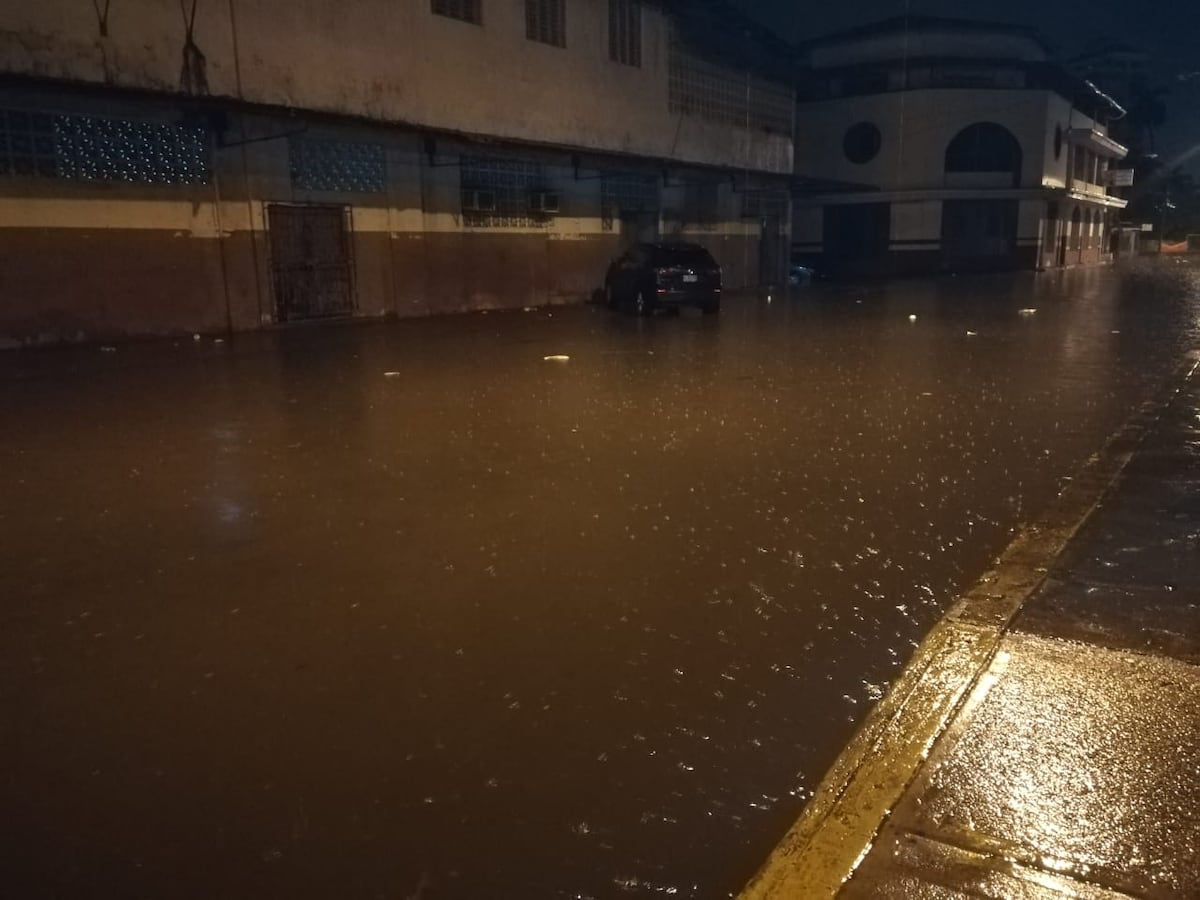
{"x": 640, "y": 306}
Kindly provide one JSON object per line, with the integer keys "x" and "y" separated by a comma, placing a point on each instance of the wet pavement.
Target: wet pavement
{"x": 410, "y": 610}
{"x": 1072, "y": 769}
{"x": 1132, "y": 580}
{"x": 1075, "y": 776}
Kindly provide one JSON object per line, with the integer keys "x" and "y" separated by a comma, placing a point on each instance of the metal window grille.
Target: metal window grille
{"x": 626, "y": 194}
{"x": 337, "y": 166}
{"x": 700, "y": 203}
{"x": 94, "y": 148}
{"x": 510, "y": 183}
{"x": 625, "y": 31}
{"x": 545, "y": 21}
{"x": 629, "y": 193}
{"x": 27, "y": 145}
{"x": 760, "y": 204}
{"x": 702, "y": 88}
{"x": 463, "y": 10}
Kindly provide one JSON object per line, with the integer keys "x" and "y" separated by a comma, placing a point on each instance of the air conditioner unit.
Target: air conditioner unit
{"x": 479, "y": 201}
{"x": 543, "y": 201}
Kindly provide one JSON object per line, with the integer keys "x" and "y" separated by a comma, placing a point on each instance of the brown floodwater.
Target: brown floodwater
{"x": 408, "y": 610}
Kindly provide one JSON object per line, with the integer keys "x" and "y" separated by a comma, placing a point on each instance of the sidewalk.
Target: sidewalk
{"x": 1045, "y": 739}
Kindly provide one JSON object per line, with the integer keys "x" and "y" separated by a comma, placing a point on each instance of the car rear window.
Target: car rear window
{"x": 684, "y": 255}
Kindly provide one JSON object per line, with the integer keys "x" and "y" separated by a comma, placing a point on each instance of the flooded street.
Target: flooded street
{"x": 409, "y": 610}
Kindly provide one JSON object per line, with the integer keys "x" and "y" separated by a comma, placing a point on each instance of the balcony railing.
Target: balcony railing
{"x": 1086, "y": 187}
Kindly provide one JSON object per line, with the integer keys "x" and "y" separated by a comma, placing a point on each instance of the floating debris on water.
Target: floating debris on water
{"x": 556, "y": 357}
{"x": 391, "y": 374}
{"x": 912, "y": 318}
{"x": 1028, "y": 311}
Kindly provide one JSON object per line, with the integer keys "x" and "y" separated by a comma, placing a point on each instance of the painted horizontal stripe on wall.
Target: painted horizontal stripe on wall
{"x": 208, "y": 219}
{"x": 927, "y": 195}
{"x": 195, "y": 219}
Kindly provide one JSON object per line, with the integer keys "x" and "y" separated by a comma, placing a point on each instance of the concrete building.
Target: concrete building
{"x": 172, "y": 167}
{"x": 936, "y": 145}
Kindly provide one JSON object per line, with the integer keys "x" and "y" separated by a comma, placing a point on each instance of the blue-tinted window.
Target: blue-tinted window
{"x": 337, "y": 166}
{"x": 97, "y": 148}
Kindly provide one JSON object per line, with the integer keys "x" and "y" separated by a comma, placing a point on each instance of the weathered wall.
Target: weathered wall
{"x": 909, "y": 171}
{"x": 915, "y": 239}
{"x": 916, "y": 128}
{"x": 87, "y": 260}
{"x": 917, "y": 222}
{"x": 1061, "y": 117}
{"x": 88, "y": 257}
{"x": 390, "y": 61}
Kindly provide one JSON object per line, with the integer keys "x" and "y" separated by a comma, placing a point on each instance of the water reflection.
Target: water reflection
{"x": 504, "y": 627}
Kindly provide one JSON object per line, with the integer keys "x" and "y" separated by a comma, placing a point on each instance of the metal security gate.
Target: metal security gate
{"x": 310, "y": 261}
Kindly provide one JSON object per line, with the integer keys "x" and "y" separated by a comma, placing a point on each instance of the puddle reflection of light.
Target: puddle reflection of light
{"x": 229, "y": 512}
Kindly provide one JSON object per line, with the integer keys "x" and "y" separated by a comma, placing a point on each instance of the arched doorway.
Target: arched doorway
{"x": 981, "y": 232}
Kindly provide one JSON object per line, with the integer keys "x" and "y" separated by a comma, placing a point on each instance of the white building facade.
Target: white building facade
{"x": 171, "y": 167}
{"x": 930, "y": 145}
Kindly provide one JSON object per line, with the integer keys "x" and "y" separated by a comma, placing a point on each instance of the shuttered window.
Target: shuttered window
{"x": 545, "y": 21}
{"x": 625, "y": 31}
{"x": 464, "y": 10}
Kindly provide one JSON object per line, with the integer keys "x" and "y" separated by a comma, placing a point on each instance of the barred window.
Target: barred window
{"x": 625, "y": 31}
{"x": 497, "y": 192}
{"x": 28, "y": 145}
{"x": 95, "y": 148}
{"x": 629, "y": 193}
{"x": 622, "y": 194}
{"x": 337, "y": 166}
{"x": 545, "y": 21}
{"x": 764, "y": 203}
{"x": 464, "y": 10}
{"x": 698, "y": 87}
{"x": 700, "y": 203}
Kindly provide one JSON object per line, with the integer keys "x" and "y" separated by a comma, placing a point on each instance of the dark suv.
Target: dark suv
{"x": 664, "y": 276}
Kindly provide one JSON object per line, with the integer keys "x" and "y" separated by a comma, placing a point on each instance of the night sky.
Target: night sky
{"x": 1169, "y": 30}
